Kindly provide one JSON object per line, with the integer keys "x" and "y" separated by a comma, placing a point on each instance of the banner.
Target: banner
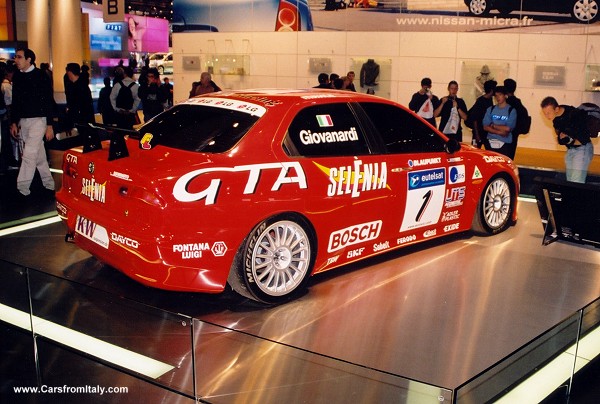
{"x": 113, "y": 10}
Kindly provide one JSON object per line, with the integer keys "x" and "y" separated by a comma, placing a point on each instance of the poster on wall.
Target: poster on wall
{"x": 146, "y": 34}
{"x": 241, "y": 16}
{"x": 384, "y": 16}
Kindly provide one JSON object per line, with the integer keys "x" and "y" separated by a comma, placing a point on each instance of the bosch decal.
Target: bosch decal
{"x": 455, "y": 196}
{"x": 354, "y": 235}
{"x": 356, "y": 178}
{"x": 180, "y": 190}
{"x": 93, "y": 190}
{"x": 308, "y": 137}
{"x": 456, "y": 174}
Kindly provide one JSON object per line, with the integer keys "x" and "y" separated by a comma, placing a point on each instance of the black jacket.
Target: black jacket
{"x": 32, "y": 96}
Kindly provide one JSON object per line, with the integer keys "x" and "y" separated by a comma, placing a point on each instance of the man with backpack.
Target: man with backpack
{"x": 499, "y": 122}
{"x": 124, "y": 98}
{"x": 523, "y": 119}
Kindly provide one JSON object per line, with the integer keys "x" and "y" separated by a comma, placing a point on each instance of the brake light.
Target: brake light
{"x": 142, "y": 195}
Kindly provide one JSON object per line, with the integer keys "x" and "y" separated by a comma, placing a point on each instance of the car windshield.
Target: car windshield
{"x": 199, "y": 128}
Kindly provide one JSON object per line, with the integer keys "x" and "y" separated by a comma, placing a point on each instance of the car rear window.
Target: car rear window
{"x": 199, "y": 128}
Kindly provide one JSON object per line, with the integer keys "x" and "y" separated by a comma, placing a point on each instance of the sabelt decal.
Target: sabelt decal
{"x": 356, "y": 178}
{"x": 381, "y": 246}
{"x": 180, "y": 190}
{"x": 456, "y": 174}
{"x": 356, "y": 234}
{"x": 424, "y": 199}
{"x": 92, "y": 231}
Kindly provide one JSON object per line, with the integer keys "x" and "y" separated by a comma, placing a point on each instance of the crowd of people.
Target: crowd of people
{"x": 334, "y": 81}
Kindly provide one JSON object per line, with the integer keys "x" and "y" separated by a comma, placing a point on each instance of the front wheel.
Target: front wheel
{"x": 275, "y": 260}
{"x": 585, "y": 11}
{"x": 495, "y": 207}
{"x": 479, "y": 7}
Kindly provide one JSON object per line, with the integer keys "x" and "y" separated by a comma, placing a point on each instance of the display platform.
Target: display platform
{"x": 463, "y": 319}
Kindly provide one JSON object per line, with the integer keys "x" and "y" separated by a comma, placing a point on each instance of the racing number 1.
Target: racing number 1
{"x": 426, "y": 199}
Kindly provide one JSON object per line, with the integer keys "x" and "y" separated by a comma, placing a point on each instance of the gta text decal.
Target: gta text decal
{"x": 180, "y": 190}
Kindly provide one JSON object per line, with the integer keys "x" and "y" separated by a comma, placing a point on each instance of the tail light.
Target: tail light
{"x": 142, "y": 194}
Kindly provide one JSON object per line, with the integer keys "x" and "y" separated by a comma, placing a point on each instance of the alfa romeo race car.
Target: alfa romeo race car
{"x": 263, "y": 188}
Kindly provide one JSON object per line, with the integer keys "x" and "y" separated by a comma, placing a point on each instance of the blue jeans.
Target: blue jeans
{"x": 577, "y": 161}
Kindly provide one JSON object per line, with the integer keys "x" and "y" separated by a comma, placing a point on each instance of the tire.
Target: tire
{"x": 480, "y": 7}
{"x": 585, "y": 11}
{"x": 275, "y": 261}
{"x": 505, "y": 10}
{"x": 161, "y": 70}
{"x": 495, "y": 207}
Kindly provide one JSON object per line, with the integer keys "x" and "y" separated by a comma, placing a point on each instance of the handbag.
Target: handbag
{"x": 451, "y": 127}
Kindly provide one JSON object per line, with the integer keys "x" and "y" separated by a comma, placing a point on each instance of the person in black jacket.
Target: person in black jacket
{"x": 80, "y": 106}
{"x": 152, "y": 95}
{"x": 31, "y": 119}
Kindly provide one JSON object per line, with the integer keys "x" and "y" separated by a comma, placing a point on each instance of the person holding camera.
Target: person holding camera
{"x": 452, "y": 111}
{"x": 423, "y": 102}
{"x": 571, "y": 131}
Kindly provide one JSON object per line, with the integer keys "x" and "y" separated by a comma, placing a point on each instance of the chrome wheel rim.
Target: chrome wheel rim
{"x": 585, "y": 10}
{"x": 478, "y": 7}
{"x": 496, "y": 206}
{"x": 280, "y": 258}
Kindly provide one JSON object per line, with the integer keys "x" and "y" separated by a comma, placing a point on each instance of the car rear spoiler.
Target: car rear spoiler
{"x": 94, "y": 134}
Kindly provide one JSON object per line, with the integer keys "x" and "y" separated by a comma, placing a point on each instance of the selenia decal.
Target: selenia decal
{"x": 424, "y": 199}
{"x": 356, "y": 178}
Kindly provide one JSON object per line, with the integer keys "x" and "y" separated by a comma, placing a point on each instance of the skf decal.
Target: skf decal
{"x": 455, "y": 196}
{"x": 145, "y": 142}
{"x": 93, "y": 190}
{"x": 356, "y": 178}
{"x": 424, "y": 162}
{"x": 354, "y": 235}
{"x": 190, "y": 250}
{"x": 355, "y": 253}
{"x": 180, "y": 190}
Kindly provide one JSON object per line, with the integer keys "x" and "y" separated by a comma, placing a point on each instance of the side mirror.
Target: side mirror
{"x": 452, "y": 146}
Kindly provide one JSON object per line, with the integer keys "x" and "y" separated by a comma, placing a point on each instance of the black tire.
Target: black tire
{"x": 495, "y": 207}
{"x": 585, "y": 11}
{"x": 505, "y": 10}
{"x": 275, "y": 261}
{"x": 480, "y": 7}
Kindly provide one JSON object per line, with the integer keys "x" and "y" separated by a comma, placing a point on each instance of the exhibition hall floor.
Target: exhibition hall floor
{"x": 434, "y": 315}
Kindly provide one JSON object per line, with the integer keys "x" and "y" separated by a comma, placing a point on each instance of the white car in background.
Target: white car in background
{"x": 162, "y": 61}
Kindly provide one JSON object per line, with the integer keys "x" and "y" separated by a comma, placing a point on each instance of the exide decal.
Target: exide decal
{"x": 354, "y": 235}
{"x": 451, "y": 227}
{"x": 180, "y": 190}
{"x": 356, "y": 178}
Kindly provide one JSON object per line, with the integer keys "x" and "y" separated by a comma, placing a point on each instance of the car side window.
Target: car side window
{"x": 401, "y": 131}
{"x": 326, "y": 130}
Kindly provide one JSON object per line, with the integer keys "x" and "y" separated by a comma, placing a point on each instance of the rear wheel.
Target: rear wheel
{"x": 479, "y": 7}
{"x": 275, "y": 260}
{"x": 495, "y": 207}
{"x": 585, "y": 11}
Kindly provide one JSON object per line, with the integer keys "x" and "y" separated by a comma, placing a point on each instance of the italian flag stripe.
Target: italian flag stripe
{"x": 324, "y": 120}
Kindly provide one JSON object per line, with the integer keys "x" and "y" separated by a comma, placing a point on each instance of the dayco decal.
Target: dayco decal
{"x": 190, "y": 250}
{"x": 424, "y": 162}
{"x": 406, "y": 239}
{"x": 93, "y": 190}
{"x": 354, "y": 235}
{"x": 450, "y": 227}
{"x": 494, "y": 159}
{"x": 124, "y": 240}
{"x": 308, "y": 137}
{"x": 455, "y": 196}
{"x": 355, "y": 179}
{"x": 450, "y": 216}
{"x": 180, "y": 190}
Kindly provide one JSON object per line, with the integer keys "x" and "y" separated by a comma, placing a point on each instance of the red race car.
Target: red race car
{"x": 261, "y": 189}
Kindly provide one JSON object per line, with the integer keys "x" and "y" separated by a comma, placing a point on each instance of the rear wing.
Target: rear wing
{"x": 94, "y": 134}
